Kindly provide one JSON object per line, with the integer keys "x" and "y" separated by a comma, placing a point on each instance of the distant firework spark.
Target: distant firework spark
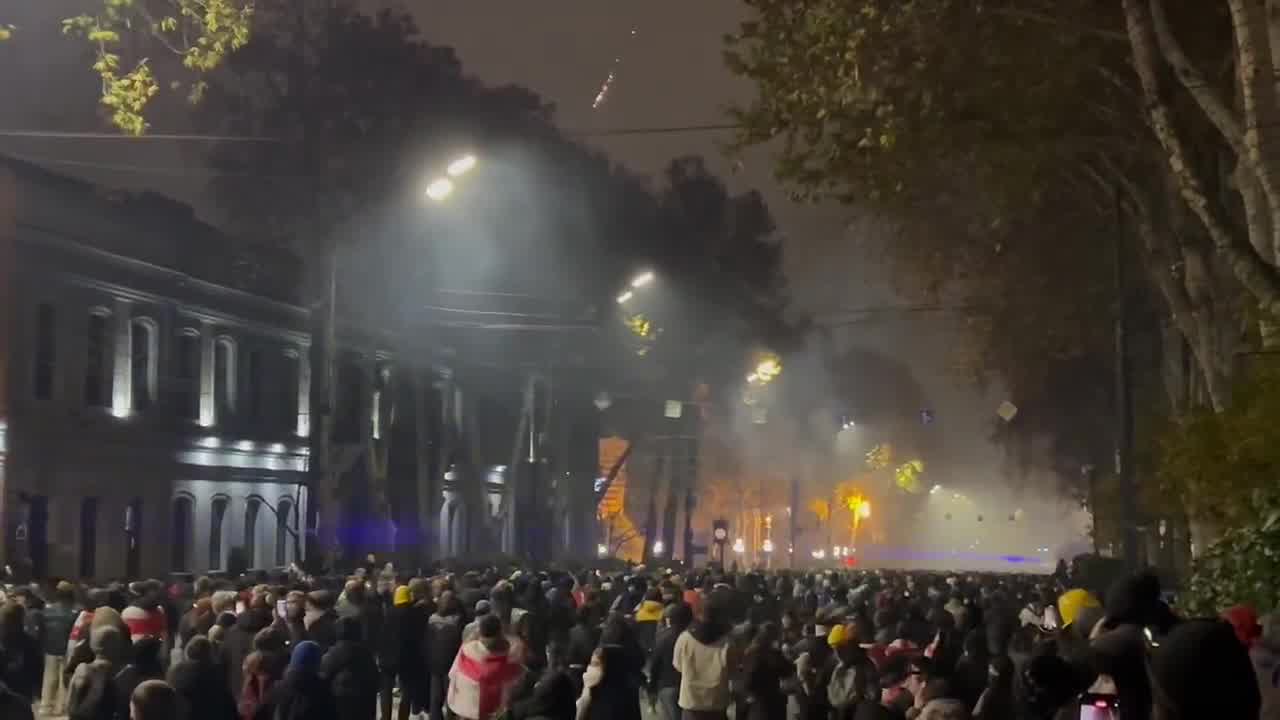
{"x": 609, "y": 79}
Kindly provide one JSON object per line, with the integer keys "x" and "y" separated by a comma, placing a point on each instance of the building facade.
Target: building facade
{"x": 156, "y": 389}
{"x": 155, "y": 400}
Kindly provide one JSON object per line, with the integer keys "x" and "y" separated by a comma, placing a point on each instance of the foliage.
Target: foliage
{"x": 821, "y": 509}
{"x": 200, "y": 33}
{"x": 1216, "y": 462}
{"x": 1243, "y": 566}
{"x": 880, "y": 456}
{"x": 907, "y": 475}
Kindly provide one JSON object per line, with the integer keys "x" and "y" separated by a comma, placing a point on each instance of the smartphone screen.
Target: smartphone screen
{"x": 281, "y": 608}
{"x": 1099, "y": 707}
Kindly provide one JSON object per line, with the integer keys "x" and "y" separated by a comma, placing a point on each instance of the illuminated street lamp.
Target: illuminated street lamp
{"x": 818, "y": 554}
{"x": 739, "y": 546}
{"x": 864, "y": 510}
{"x": 642, "y": 279}
{"x": 658, "y": 548}
{"x": 461, "y": 166}
{"x": 767, "y": 545}
{"x": 624, "y": 297}
{"x": 440, "y": 188}
{"x": 602, "y": 550}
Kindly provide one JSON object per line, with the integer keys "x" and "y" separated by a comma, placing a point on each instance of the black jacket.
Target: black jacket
{"x": 444, "y": 637}
{"x": 553, "y": 698}
{"x": 662, "y": 673}
{"x": 323, "y": 630}
{"x": 21, "y": 664}
{"x": 203, "y": 688}
{"x": 351, "y": 670}
{"x": 303, "y": 696}
{"x": 390, "y": 647}
{"x": 238, "y": 643}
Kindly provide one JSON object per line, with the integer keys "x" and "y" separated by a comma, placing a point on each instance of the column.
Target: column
{"x": 304, "y": 392}
{"x": 121, "y": 359}
{"x": 208, "y": 412}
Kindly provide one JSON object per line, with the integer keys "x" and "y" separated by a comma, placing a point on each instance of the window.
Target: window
{"x": 97, "y": 383}
{"x": 88, "y": 537}
{"x": 183, "y": 524}
{"x": 46, "y": 334}
{"x": 133, "y": 538}
{"x": 251, "y": 511}
{"x": 290, "y": 377}
{"x": 142, "y": 363}
{"x": 218, "y": 516}
{"x": 186, "y": 372}
{"x": 349, "y": 392}
{"x": 284, "y": 516}
{"x": 224, "y": 377}
{"x": 254, "y": 373}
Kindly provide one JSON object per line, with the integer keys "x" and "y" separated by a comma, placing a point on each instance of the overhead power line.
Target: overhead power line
{"x": 198, "y": 138}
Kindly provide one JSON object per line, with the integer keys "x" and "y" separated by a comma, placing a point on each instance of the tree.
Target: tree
{"x": 124, "y": 34}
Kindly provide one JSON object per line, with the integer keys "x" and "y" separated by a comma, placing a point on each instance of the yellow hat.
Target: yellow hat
{"x": 402, "y": 596}
{"x": 1071, "y": 602}
{"x": 839, "y": 635}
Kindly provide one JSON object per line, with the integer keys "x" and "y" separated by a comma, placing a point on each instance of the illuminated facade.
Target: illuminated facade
{"x": 156, "y": 390}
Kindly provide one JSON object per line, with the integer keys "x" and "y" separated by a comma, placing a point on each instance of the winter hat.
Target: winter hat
{"x": 1202, "y": 671}
{"x": 839, "y": 635}
{"x": 306, "y": 657}
{"x": 1072, "y": 602}
{"x": 402, "y": 596}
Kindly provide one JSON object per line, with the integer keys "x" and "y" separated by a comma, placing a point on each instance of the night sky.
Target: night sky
{"x": 670, "y": 74}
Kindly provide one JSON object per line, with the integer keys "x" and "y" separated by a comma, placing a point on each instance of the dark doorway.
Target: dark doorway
{"x": 183, "y": 523}
{"x": 38, "y": 529}
{"x": 88, "y": 537}
{"x": 133, "y": 539}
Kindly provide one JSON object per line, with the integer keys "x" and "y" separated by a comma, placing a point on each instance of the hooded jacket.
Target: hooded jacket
{"x": 481, "y": 681}
{"x": 203, "y": 689}
{"x": 349, "y": 666}
{"x": 237, "y": 643}
{"x": 91, "y": 694}
{"x": 702, "y": 657}
{"x": 303, "y": 694}
{"x": 443, "y": 640}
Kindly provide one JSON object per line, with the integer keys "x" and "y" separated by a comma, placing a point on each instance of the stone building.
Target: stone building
{"x": 156, "y": 390}
{"x": 155, "y": 381}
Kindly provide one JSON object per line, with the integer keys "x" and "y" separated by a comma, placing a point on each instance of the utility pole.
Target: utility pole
{"x": 1124, "y": 405}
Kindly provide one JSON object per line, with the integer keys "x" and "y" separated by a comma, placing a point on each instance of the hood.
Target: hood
{"x": 188, "y": 675}
{"x": 649, "y": 611}
{"x": 110, "y": 644}
{"x": 1244, "y": 620}
{"x": 437, "y": 621}
{"x": 482, "y": 665}
{"x": 1205, "y": 654}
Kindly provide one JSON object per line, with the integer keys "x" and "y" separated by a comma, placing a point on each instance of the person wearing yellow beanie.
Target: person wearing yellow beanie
{"x": 839, "y": 635}
{"x": 402, "y": 597}
{"x": 1072, "y": 602}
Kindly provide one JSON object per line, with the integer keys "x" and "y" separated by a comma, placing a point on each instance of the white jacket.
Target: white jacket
{"x": 704, "y": 672}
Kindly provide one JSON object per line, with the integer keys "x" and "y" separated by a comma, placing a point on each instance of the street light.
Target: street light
{"x": 602, "y": 550}
{"x": 440, "y": 188}
{"x": 739, "y": 546}
{"x": 864, "y": 510}
{"x": 767, "y": 545}
{"x": 624, "y": 297}
{"x": 642, "y": 279}
{"x": 658, "y": 548}
{"x": 461, "y": 166}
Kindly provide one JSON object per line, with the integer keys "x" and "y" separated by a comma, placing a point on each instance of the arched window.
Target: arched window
{"x": 255, "y": 374}
{"x": 88, "y": 537}
{"x": 224, "y": 377}
{"x": 142, "y": 362}
{"x": 186, "y": 373}
{"x": 251, "y": 511}
{"x": 217, "y": 519}
{"x": 46, "y": 346}
{"x": 183, "y": 527}
{"x": 97, "y": 377}
{"x": 284, "y": 517}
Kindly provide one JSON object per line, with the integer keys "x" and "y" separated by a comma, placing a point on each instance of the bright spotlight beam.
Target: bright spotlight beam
{"x": 461, "y": 166}
{"x": 642, "y": 279}
{"x": 439, "y": 189}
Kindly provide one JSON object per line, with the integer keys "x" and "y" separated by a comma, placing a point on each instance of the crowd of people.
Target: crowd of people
{"x": 695, "y": 645}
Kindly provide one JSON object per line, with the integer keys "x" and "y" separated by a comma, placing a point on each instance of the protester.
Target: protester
{"x": 704, "y": 658}
{"x": 483, "y": 674}
{"x": 351, "y": 669}
{"x": 202, "y": 683}
{"x": 262, "y": 670}
{"x": 59, "y": 617}
{"x": 155, "y": 700}
{"x": 303, "y": 694}
{"x": 443, "y": 641}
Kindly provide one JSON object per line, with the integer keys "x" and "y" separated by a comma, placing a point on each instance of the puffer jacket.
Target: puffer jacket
{"x": 444, "y": 638}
